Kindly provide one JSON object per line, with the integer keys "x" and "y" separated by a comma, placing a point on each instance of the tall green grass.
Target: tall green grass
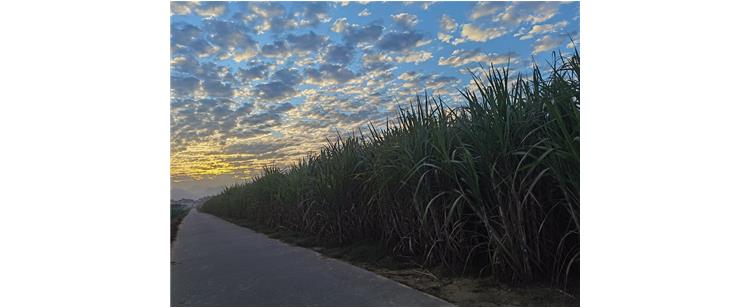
{"x": 491, "y": 187}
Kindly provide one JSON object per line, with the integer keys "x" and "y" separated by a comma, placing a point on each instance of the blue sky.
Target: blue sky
{"x": 254, "y": 83}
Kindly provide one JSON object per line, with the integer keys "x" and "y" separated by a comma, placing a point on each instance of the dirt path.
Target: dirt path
{"x": 216, "y": 263}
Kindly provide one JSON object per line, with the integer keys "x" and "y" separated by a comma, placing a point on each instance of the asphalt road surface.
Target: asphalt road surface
{"x": 216, "y": 263}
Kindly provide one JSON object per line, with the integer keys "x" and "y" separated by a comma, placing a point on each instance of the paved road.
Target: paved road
{"x": 216, "y": 263}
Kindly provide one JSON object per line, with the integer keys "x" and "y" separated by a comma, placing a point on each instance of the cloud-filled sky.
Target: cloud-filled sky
{"x": 255, "y": 83}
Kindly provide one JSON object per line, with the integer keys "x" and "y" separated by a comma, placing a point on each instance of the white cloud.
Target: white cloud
{"x": 423, "y": 42}
{"x": 328, "y": 74}
{"x": 461, "y": 57}
{"x": 543, "y": 29}
{"x": 182, "y": 8}
{"x": 423, "y": 4}
{"x": 339, "y": 25}
{"x": 482, "y": 9}
{"x": 408, "y": 76}
{"x": 447, "y": 38}
{"x": 405, "y": 20}
{"x": 547, "y": 42}
{"x": 267, "y": 10}
{"x": 314, "y": 13}
{"x": 477, "y": 34}
{"x": 364, "y": 13}
{"x": 245, "y": 54}
{"x": 527, "y": 12}
{"x": 444, "y": 37}
{"x": 414, "y": 82}
{"x": 426, "y": 4}
{"x": 448, "y": 24}
{"x": 210, "y": 9}
{"x": 414, "y": 57}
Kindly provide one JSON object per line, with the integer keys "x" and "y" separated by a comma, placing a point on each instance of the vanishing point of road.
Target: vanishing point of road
{"x": 216, "y": 263}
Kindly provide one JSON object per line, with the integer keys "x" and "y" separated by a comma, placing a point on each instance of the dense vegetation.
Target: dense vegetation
{"x": 176, "y": 214}
{"x": 491, "y": 187}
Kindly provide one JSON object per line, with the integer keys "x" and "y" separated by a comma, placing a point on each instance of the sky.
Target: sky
{"x": 259, "y": 83}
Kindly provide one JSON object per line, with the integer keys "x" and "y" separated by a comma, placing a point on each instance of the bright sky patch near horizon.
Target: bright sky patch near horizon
{"x": 256, "y": 83}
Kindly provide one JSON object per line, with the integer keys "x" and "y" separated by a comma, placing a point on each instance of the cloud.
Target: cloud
{"x": 264, "y": 120}
{"x": 188, "y": 39}
{"x": 408, "y": 76}
{"x": 283, "y": 107}
{"x": 398, "y": 41}
{"x": 423, "y": 4}
{"x": 306, "y": 42}
{"x": 325, "y": 112}
{"x": 328, "y": 74}
{"x": 189, "y": 66}
{"x": 244, "y": 54}
{"x": 447, "y": 38}
{"x": 354, "y": 34}
{"x": 184, "y": 64}
{"x": 255, "y": 72}
{"x": 405, "y": 20}
{"x": 340, "y": 54}
{"x": 216, "y": 88}
{"x": 376, "y": 62}
{"x": 202, "y": 120}
{"x": 255, "y": 147}
{"x": 444, "y": 37}
{"x": 276, "y": 25}
{"x": 283, "y": 85}
{"x": 260, "y": 122}
{"x": 510, "y": 15}
{"x": 532, "y": 12}
{"x": 414, "y": 57}
{"x": 542, "y": 29}
{"x": 474, "y": 33}
{"x": 414, "y": 82}
{"x": 448, "y": 24}
{"x": 210, "y": 9}
{"x": 231, "y": 39}
{"x": 294, "y": 45}
{"x": 426, "y": 4}
{"x": 184, "y": 86}
{"x": 460, "y": 57}
{"x": 482, "y": 9}
{"x": 182, "y": 8}
{"x": 272, "y": 16}
{"x": 339, "y": 25}
{"x": 268, "y": 9}
{"x": 288, "y": 75}
{"x": 547, "y": 42}
{"x": 314, "y": 13}
{"x": 275, "y": 90}
{"x": 277, "y": 49}
{"x": 364, "y": 13}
